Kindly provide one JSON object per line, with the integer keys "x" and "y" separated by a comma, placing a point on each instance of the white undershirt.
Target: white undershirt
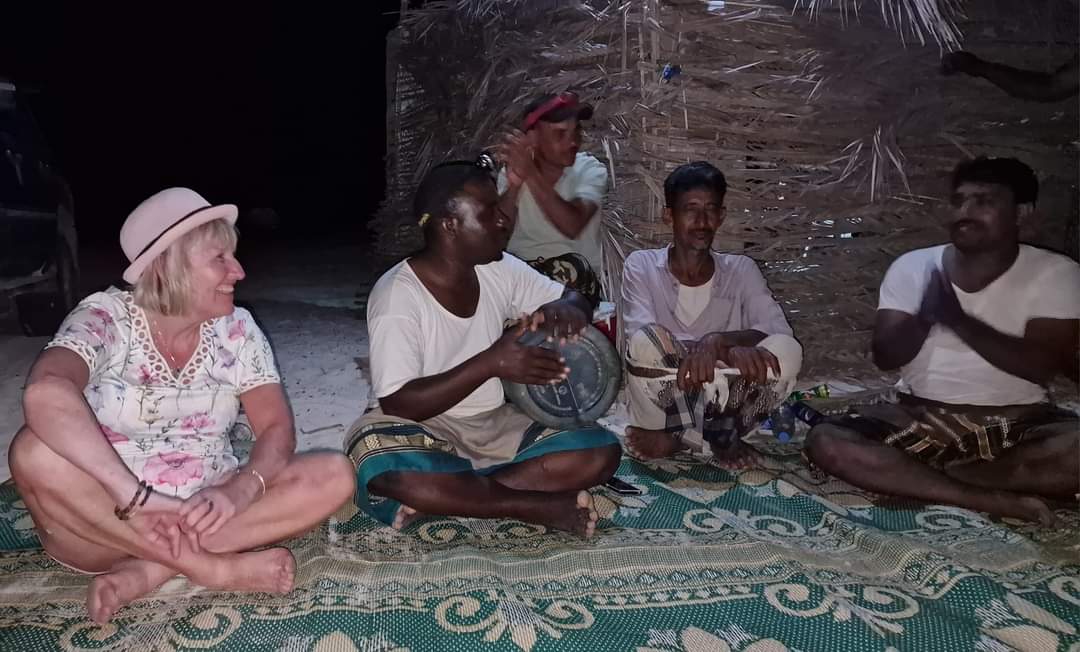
{"x": 692, "y": 301}
{"x": 412, "y": 335}
{"x": 1039, "y": 284}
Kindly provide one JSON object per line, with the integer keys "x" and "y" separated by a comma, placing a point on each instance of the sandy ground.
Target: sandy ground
{"x": 306, "y": 297}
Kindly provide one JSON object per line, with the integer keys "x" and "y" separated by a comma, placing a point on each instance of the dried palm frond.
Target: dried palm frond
{"x": 936, "y": 19}
{"x": 835, "y": 135}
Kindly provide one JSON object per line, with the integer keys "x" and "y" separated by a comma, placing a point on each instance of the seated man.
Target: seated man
{"x": 554, "y": 193}
{"x": 977, "y": 327}
{"x": 443, "y": 440}
{"x": 689, "y": 313}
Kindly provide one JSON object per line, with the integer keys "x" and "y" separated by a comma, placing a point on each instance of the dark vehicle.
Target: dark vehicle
{"x": 39, "y": 268}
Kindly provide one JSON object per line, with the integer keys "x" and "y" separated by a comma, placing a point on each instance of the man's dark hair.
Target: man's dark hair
{"x": 1008, "y": 172}
{"x": 441, "y": 185}
{"x": 693, "y": 176}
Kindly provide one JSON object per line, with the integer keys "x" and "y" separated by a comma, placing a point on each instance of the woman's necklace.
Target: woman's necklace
{"x": 165, "y": 347}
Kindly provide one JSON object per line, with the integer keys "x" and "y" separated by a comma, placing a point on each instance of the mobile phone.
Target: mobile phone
{"x": 622, "y": 488}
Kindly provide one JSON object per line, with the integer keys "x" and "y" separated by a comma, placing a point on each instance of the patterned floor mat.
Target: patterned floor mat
{"x": 763, "y": 560}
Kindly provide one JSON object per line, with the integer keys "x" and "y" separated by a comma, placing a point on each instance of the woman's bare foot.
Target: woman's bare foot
{"x": 266, "y": 571}
{"x": 404, "y": 516}
{"x": 569, "y": 511}
{"x": 651, "y": 444}
{"x": 126, "y": 581}
{"x": 737, "y": 456}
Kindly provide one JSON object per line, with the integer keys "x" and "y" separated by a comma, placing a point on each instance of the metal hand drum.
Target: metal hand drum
{"x": 588, "y": 391}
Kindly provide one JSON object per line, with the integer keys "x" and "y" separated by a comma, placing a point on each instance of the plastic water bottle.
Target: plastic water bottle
{"x": 782, "y": 423}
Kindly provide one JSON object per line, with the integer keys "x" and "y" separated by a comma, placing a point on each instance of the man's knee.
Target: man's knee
{"x": 601, "y": 463}
{"x": 788, "y": 352}
{"x": 827, "y": 444}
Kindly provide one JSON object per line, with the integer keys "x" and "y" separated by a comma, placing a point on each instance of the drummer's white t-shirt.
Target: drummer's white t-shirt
{"x": 1039, "y": 284}
{"x": 412, "y": 335}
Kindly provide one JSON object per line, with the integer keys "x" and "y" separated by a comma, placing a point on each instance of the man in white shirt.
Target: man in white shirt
{"x": 977, "y": 327}
{"x": 692, "y": 315}
{"x": 554, "y": 193}
{"x": 443, "y": 440}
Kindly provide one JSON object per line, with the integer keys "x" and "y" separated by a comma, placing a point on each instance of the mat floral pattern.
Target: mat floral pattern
{"x": 765, "y": 560}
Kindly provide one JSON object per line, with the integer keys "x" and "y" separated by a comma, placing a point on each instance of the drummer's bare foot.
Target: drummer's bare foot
{"x": 737, "y": 456}
{"x": 571, "y": 511}
{"x": 404, "y": 516}
{"x": 651, "y": 444}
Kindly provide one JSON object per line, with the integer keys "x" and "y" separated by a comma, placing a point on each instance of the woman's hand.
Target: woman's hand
{"x": 209, "y": 509}
{"x": 158, "y": 521}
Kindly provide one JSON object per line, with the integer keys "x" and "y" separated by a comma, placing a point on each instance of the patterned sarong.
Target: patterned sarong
{"x": 942, "y": 435}
{"x": 379, "y": 443}
{"x": 728, "y": 407}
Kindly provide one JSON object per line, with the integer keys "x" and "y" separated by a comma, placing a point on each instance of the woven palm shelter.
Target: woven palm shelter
{"x": 831, "y": 120}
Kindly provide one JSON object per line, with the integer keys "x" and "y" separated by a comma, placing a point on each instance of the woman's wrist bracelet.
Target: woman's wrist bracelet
{"x": 262, "y": 481}
{"x": 132, "y": 507}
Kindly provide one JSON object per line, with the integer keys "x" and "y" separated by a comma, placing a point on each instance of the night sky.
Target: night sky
{"x": 256, "y": 104}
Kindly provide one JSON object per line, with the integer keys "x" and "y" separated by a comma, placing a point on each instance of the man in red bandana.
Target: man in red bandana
{"x": 554, "y": 193}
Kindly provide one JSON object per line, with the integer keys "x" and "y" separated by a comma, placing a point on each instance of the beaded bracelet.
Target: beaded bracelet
{"x": 126, "y": 513}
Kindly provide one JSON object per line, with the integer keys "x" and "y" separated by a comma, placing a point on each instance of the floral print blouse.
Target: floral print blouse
{"x": 170, "y": 428}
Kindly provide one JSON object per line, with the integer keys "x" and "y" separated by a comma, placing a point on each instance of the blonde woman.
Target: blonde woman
{"x": 125, "y": 462}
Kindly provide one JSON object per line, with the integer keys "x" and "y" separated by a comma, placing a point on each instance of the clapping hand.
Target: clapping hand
{"x": 939, "y": 303}
{"x": 517, "y": 151}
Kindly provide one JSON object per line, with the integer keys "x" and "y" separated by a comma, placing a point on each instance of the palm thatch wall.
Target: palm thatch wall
{"x": 830, "y": 119}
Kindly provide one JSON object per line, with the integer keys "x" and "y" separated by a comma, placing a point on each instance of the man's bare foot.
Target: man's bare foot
{"x": 651, "y": 444}
{"x": 737, "y": 456}
{"x": 569, "y": 511}
{"x": 1031, "y": 508}
{"x": 126, "y": 581}
{"x": 266, "y": 571}
{"x": 404, "y": 516}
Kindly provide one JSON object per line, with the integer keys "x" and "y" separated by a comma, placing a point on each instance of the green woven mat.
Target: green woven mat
{"x": 763, "y": 560}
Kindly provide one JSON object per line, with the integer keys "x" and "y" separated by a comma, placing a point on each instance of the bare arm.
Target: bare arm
{"x": 429, "y": 396}
{"x": 59, "y": 415}
{"x": 1047, "y": 348}
{"x": 1023, "y": 84}
{"x": 275, "y": 434}
{"x": 569, "y": 217}
{"x": 729, "y": 339}
{"x": 898, "y": 338}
